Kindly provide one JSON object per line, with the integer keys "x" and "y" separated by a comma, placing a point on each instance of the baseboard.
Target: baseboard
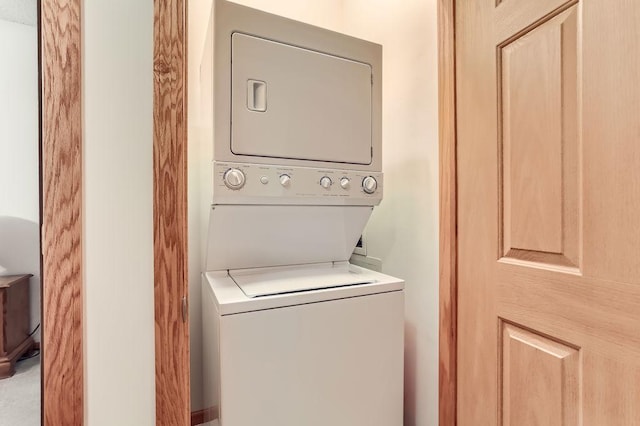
{"x": 202, "y": 416}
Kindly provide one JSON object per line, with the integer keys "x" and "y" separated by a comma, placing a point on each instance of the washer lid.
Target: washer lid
{"x": 258, "y": 282}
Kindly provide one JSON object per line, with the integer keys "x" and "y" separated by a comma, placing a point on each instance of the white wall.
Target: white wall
{"x": 322, "y": 13}
{"x": 118, "y": 215}
{"x": 19, "y": 163}
{"x": 403, "y": 231}
{"x": 198, "y": 19}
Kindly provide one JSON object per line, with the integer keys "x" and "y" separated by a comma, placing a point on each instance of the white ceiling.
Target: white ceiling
{"x": 20, "y": 11}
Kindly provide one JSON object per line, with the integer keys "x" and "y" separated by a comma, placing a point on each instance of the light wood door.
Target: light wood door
{"x": 548, "y": 159}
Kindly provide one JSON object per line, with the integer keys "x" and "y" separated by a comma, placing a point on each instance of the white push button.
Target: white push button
{"x": 264, "y": 180}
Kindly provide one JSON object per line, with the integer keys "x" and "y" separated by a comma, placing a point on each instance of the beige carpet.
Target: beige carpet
{"x": 20, "y": 395}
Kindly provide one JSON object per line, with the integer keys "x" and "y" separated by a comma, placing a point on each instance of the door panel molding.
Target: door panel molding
{"x": 539, "y": 180}
{"x": 540, "y": 379}
{"x": 61, "y": 203}
{"x": 173, "y": 405}
{"x": 448, "y": 288}
{"x": 515, "y": 16}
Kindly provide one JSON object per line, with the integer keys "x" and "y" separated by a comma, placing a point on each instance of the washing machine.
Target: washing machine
{"x": 293, "y": 334}
{"x": 311, "y": 345}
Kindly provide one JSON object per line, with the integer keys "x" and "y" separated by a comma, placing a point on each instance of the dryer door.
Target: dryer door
{"x": 290, "y": 102}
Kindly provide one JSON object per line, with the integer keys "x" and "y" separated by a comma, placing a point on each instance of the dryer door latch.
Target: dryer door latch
{"x": 256, "y": 95}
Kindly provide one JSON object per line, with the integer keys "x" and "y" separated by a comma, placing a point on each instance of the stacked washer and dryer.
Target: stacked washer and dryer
{"x": 293, "y": 334}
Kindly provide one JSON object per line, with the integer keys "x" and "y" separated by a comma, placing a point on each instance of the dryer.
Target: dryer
{"x": 292, "y": 333}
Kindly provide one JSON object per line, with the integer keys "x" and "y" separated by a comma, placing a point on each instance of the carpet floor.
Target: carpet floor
{"x": 20, "y": 395}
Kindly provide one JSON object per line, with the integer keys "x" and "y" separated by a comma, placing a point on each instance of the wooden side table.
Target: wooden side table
{"x": 14, "y": 322}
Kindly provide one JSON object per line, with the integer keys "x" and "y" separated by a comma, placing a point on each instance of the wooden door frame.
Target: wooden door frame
{"x": 60, "y": 62}
{"x": 448, "y": 214}
{"x": 173, "y": 403}
{"x": 170, "y": 248}
{"x": 170, "y": 239}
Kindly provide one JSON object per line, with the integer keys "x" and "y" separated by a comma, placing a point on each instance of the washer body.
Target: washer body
{"x": 315, "y": 357}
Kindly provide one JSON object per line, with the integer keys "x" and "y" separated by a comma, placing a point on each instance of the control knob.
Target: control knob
{"x": 234, "y": 178}
{"x": 369, "y": 184}
{"x": 344, "y": 183}
{"x": 285, "y": 180}
{"x": 325, "y": 182}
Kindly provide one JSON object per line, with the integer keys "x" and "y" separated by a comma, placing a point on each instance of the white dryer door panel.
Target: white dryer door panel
{"x": 290, "y": 102}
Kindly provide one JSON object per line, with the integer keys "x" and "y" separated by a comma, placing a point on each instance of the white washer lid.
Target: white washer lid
{"x": 258, "y": 282}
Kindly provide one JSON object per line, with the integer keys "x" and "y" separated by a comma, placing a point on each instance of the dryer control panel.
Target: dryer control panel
{"x": 242, "y": 183}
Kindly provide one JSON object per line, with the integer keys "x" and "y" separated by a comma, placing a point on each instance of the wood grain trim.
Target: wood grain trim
{"x": 170, "y": 213}
{"x": 202, "y": 416}
{"x": 61, "y": 171}
{"x": 448, "y": 213}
